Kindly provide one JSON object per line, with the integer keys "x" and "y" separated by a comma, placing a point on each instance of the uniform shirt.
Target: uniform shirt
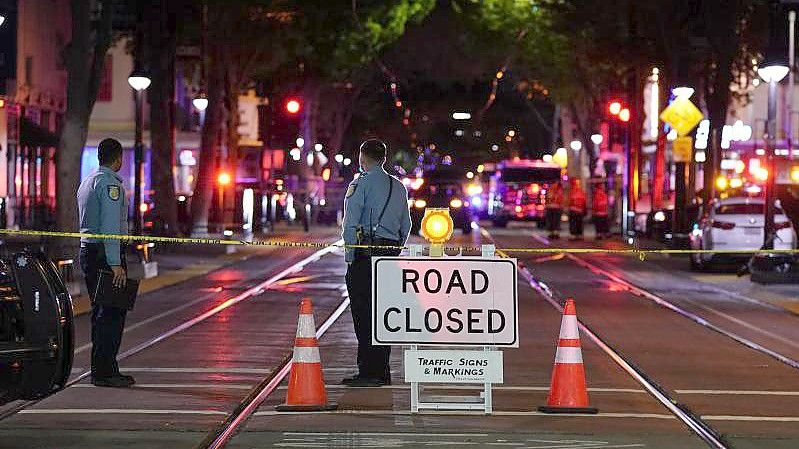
{"x": 103, "y": 209}
{"x": 365, "y": 198}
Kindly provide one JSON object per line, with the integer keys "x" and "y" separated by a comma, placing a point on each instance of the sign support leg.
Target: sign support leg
{"x": 414, "y": 392}
{"x": 488, "y": 397}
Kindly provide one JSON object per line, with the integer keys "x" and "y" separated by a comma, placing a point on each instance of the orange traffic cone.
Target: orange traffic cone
{"x": 567, "y": 391}
{"x": 306, "y": 391}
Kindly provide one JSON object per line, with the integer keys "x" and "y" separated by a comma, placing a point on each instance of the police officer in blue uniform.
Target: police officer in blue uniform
{"x": 103, "y": 209}
{"x": 375, "y": 212}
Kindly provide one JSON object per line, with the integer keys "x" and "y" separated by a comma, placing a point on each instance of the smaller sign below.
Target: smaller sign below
{"x": 453, "y": 366}
{"x": 682, "y": 148}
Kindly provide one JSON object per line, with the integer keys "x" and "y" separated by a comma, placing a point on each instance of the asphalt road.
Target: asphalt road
{"x": 191, "y": 380}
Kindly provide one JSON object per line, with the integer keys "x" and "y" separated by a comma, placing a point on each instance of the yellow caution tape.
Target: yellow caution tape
{"x": 641, "y": 253}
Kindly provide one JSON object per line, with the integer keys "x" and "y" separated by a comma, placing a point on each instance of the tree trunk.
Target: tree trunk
{"x": 162, "y": 42}
{"x": 204, "y": 187}
{"x": 85, "y": 60}
{"x": 232, "y": 89}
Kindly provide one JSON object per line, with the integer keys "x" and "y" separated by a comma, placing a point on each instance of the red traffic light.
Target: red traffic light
{"x": 624, "y": 115}
{"x": 293, "y": 105}
{"x": 614, "y": 107}
{"x": 223, "y": 178}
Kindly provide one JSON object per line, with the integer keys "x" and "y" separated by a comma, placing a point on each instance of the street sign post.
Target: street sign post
{"x": 447, "y": 301}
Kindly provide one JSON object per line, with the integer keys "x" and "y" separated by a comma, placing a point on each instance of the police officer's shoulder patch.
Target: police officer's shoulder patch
{"x": 351, "y": 189}
{"x": 113, "y": 192}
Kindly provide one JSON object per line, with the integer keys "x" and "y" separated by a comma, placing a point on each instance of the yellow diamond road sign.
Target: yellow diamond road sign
{"x": 682, "y": 115}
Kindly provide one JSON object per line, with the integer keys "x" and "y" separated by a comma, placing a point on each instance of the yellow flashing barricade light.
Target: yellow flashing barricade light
{"x": 721, "y": 183}
{"x": 795, "y": 174}
{"x": 437, "y": 227}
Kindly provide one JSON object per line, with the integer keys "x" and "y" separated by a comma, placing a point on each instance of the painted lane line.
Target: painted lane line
{"x": 188, "y": 386}
{"x": 221, "y": 385}
{"x": 741, "y": 392}
{"x": 272, "y": 413}
{"x": 675, "y": 308}
{"x": 197, "y": 370}
{"x": 116, "y": 411}
{"x": 389, "y": 434}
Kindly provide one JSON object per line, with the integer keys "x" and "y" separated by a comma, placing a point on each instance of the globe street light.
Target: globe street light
{"x": 201, "y": 102}
{"x": 139, "y": 81}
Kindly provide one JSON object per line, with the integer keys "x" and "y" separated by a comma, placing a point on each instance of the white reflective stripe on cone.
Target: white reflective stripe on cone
{"x": 568, "y": 328}
{"x": 306, "y": 327}
{"x": 568, "y": 355}
{"x": 305, "y": 354}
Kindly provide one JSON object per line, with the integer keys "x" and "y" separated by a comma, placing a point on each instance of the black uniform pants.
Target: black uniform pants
{"x": 107, "y": 322}
{"x": 576, "y": 223}
{"x": 553, "y": 219}
{"x": 601, "y": 223}
{"x": 372, "y": 359}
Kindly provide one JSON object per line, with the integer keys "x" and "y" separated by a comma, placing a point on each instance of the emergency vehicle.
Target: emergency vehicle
{"x": 518, "y": 190}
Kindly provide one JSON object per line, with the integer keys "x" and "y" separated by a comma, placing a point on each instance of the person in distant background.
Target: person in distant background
{"x": 554, "y": 209}
{"x": 577, "y": 209}
{"x": 599, "y": 203}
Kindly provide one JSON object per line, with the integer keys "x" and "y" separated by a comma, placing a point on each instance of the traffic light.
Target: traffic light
{"x": 624, "y": 115}
{"x": 293, "y": 105}
{"x": 284, "y": 122}
{"x": 614, "y": 107}
{"x": 223, "y": 178}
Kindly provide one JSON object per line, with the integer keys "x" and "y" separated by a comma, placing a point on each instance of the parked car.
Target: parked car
{"x": 736, "y": 224}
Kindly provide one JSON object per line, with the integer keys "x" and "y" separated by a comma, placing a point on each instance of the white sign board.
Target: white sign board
{"x": 453, "y": 366}
{"x": 444, "y": 301}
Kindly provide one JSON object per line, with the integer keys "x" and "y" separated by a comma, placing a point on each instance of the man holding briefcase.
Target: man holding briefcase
{"x": 102, "y": 209}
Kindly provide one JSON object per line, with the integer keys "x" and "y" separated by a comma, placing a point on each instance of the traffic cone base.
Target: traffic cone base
{"x": 306, "y": 391}
{"x": 567, "y": 390}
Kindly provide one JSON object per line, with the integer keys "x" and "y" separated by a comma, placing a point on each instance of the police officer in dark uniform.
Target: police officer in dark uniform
{"x": 103, "y": 209}
{"x": 375, "y": 212}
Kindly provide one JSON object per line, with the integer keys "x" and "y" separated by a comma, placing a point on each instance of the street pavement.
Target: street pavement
{"x": 191, "y": 379}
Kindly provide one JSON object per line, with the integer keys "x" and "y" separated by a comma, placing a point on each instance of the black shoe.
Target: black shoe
{"x": 127, "y": 377}
{"x": 366, "y": 382}
{"x": 112, "y": 381}
{"x": 349, "y": 380}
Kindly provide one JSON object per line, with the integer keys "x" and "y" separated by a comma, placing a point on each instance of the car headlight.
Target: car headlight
{"x": 456, "y": 203}
{"x": 659, "y": 216}
{"x": 420, "y": 204}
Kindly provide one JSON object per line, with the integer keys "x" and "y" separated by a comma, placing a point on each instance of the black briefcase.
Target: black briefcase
{"x": 108, "y": 295}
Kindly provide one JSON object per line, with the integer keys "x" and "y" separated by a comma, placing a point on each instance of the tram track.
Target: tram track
{"x": 669, "y": 305}
{"x": 223, "y": 433}
{"x": 695, "y": 423}
{"x": 190, "y": 323}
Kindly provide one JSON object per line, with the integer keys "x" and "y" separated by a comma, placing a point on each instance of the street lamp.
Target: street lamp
{"x": 201, "y": 102}
{"x": 2, "y": 20}
{"x": 139, "y": 81}
{"x": 772, "y": 70}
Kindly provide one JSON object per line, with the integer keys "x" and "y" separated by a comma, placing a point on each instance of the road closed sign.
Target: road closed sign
{"x": 444, "y": 301}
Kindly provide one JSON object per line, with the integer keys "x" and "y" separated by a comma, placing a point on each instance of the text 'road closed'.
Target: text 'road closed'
{"x": 434, "y": 301}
